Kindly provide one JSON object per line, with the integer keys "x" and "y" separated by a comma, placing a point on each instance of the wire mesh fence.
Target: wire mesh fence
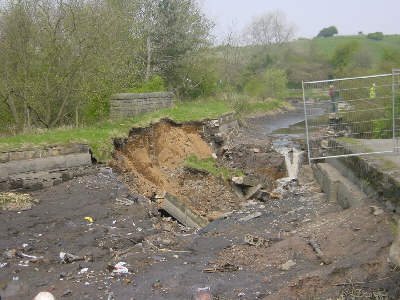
{"x": 352, "y": 116}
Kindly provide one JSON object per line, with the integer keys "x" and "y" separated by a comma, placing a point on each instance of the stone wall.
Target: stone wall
{"x": 130, "y": 105}
{"x": 36, "y": 168}
{"x": 220, "y": 132}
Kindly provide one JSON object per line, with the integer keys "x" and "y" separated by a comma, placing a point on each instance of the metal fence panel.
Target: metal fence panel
{"x": 352, "y": 116}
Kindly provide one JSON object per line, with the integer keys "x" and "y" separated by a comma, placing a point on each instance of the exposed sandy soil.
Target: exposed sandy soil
{"x": 167, "y": 260}
{"x": 152, "y": 162}
{"x": 163, "y": 146}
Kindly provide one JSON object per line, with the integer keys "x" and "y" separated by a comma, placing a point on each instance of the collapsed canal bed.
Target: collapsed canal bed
{"x": 267, "y": 246}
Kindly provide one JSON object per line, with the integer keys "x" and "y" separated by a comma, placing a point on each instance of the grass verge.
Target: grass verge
{"x": 99, "y": 136}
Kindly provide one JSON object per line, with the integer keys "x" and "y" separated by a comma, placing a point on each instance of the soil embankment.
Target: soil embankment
{"x": 152, "y": 161}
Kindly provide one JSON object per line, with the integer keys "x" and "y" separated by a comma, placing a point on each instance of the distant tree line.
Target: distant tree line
{"x": 60, "y": 60}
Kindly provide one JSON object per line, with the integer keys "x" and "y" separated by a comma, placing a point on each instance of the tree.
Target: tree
{"x": 60, "y": 60}
{"x": 269, "y": 29}
{"x": 343, "y": 55}
{"x": 378, "y": 36}
{"x": 58, "y": 57}
{"x": 276, "y": 83}
{"x": 328, "y": 32}
{"x": 169, "y": 31}
{"x": 233, "y": 59}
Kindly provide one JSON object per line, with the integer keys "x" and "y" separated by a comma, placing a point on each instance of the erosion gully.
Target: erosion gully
{"x": 285, "y": 241}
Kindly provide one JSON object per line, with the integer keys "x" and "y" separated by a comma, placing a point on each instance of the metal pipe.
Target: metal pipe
{"x": 349, "y": 155}
{"x": 351, "y": 78}
{"x": 394, "y": 112}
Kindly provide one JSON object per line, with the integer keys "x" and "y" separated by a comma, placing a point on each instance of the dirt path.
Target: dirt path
{"x": 307, "y": 247}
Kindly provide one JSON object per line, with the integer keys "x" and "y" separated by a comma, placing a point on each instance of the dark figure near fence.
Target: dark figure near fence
{"x": 334, "y": 98}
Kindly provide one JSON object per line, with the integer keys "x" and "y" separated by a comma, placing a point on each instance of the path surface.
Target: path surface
{"x": 312, "y": 248}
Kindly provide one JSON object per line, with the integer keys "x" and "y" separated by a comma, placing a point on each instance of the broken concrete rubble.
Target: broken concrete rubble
{"x": 237, "y": 180}
{"x": 250, "y": 217}
{"x": 180, "y": 211}
{"x": 288, "y": 265}
{"x": 252, "y": 191}
{"x": 255, "y": 240}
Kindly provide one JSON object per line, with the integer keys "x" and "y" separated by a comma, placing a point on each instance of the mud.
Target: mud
{"x": 167, "y": 260}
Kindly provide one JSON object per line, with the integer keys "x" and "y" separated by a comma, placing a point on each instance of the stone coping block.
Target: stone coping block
{"x": 42, "y": 152}
{"x": 130, "y": 96}
{"x": 128, "y": 105}
{"x": 44, "y": 164}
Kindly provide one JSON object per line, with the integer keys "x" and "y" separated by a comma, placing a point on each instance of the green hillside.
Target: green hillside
{"x": 327, "y": 46}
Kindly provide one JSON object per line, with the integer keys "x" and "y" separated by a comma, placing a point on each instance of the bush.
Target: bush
{"x": 328, "y": 32}
{"x": 254, "y": 87}
{"x": 275, "y": 84}
{"x": 239, "y": 103}
{"x": 343, "y": 55}
{"x": 378, "y": 36}
{"x": 200, "y": 83}
{"x": 155, "y": 85}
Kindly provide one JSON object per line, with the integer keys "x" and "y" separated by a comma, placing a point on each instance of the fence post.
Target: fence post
{"x": 394, "y": 111}
{"x": 306, "y": 121}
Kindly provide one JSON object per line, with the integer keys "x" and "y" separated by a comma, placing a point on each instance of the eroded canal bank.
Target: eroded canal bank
{"x": 267, "y": 235}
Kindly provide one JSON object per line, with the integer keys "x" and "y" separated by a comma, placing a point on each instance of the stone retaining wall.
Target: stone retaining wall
{"x": 36, "y": 168}
{"x": 221, "y": 131}
{"x": 371, "y": 174}
{"x": 130, "y": 105}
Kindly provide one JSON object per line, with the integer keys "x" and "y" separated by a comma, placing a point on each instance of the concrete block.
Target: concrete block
{"x": 49, "y": 163}
{"x": 338, "y": 188}
{"x": 182, "y": 212}
{"x": 3, "y": 174}
{"x": 4, "y": 157}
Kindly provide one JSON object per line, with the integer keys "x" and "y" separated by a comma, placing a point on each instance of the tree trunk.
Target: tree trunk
{"x": 148, "y": 69}
{"x": 13, "y": 109}
{"x": 77, "y": 116}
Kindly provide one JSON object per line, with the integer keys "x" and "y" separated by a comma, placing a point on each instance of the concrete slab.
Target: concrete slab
{"x": 180, "y": 211}
{"x": 338, "y": 188}
{"x": 377, "y": 175}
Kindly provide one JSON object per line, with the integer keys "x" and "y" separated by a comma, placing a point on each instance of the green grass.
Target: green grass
{"x": 328, "y": 45}
{"x": 99, "y": 136}
{"x": 350, "y": 141}
{"x": 295, "y": 94}
{"x": 210, "y": 165}
{"x": 265, "y": 106}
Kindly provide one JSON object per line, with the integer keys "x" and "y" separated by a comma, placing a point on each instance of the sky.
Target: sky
{"x": 309, "y": 16}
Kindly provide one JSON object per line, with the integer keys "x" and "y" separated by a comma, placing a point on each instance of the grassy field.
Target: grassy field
{"x": 99, "y": 136}
{"x": 328, "y": 45}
